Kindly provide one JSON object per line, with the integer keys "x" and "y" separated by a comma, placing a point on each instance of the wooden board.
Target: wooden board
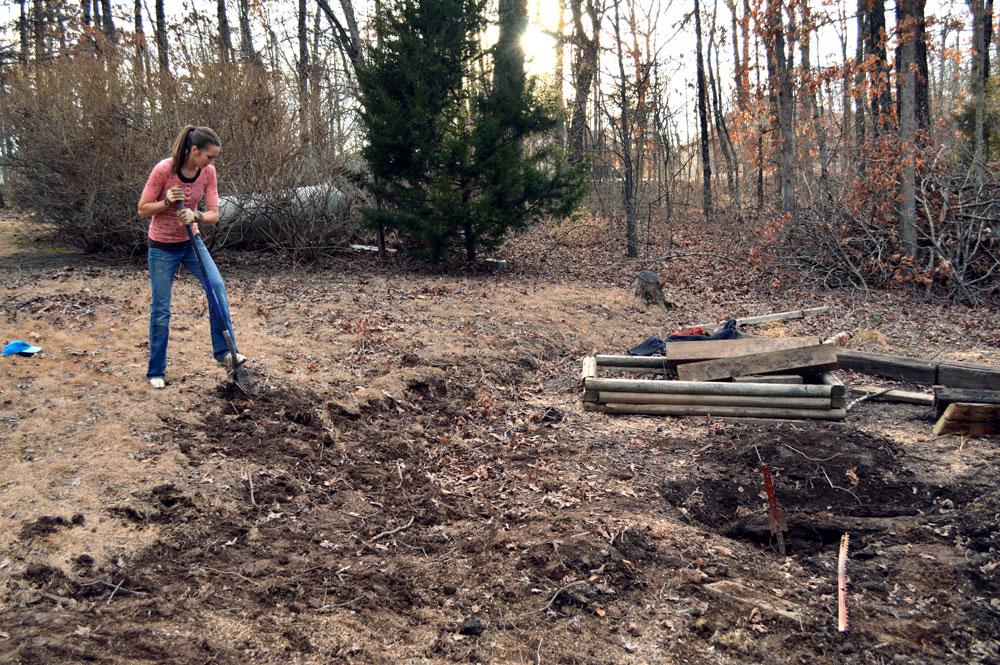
{"x": 971, "y": 419}
{"x": 899, "y": 396}
{"x": 677, "y": 353}
{"x": 975, "y": 376}
{"x": 898, "y": 368}
{"x": 790, "y": 379}
{"x": 706, "y": 388}
{"x": 720, "y": 411}
{"x": 945, "y": 395}
{"x": 716, "y": 400}
{"x": 816, "y": 358}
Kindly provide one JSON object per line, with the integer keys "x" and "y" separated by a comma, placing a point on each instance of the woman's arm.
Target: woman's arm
{"x": 151, "y": 208}
{"x": 210, "y": 216}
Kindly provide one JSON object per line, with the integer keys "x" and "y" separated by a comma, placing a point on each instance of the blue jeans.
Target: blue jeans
{"x": 162, "y": 268}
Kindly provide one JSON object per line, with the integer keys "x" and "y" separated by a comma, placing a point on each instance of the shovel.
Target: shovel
{"x": 237, "y": 373}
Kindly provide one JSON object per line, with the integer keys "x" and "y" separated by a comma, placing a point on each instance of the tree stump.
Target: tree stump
{"x": 648, "y": 289}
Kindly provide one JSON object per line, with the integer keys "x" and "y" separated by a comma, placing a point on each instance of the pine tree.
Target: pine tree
{"x": 453, "y": 165}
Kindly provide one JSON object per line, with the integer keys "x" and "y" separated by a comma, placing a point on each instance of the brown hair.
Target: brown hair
{"x": 189, "y": 137}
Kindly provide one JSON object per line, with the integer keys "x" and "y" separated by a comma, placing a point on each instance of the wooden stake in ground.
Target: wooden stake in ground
{"x": 842, "y": 620}
{"x": 776, "y": 516}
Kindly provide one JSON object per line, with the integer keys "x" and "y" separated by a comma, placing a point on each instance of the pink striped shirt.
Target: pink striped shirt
{"x": 164, "y": 226}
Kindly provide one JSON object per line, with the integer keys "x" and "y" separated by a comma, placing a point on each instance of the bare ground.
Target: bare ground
{"x": 419, "y": 483}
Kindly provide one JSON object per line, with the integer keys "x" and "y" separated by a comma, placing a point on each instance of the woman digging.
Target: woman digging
{"x": 187, "y": 176}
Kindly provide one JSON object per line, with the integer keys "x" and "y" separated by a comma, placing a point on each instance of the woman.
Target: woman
{"x": 188, "y": 175}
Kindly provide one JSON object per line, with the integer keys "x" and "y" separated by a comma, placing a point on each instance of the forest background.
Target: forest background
{"x": 852, "y": 142}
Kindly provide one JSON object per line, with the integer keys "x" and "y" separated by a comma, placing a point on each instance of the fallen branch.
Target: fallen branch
{"x": 866, "y": 397}
{"x": 385, "y": 534}
{"x": 552, "y": 600}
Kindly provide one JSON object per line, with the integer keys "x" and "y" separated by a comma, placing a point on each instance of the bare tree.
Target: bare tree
{"x": 225, "y": 38}
{"x": 586, "y": 53}
{"x": 782, "y": 101}
{"x": 625, "y": 138}
{"x": 161, "y": 39}
{"x": 246, "y": 34}
{"x": 982, "y": 28}
{"x": 906, "y": 17}
{"x": 706, "y": 158}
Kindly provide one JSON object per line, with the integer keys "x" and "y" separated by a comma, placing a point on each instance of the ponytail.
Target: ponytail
{"x": 189, "y": 137}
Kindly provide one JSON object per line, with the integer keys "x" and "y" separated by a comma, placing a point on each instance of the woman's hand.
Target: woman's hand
{"x": 174, "y": 194}
{"x": 186, "y": 216}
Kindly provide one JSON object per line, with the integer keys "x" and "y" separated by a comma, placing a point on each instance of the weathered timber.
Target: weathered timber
{"x": 899, "y": 396}
{"x": 975, "y": 376}
{"x": 945, "y": 395}
{"x": 589, "y": 368}
{"x": 830, "y": 379}
{"x": 655, "y": 362}
{"x": 817, "y": 358}
{"x": 968, "y": 418}
{"x": 791, "y": 379}
{"x": 721, "y": 411}
{"x": 778, "y": 316}
{"x": 838, "y": 395}
{"x": 898, "y": 368}
{"x": 706, "y": 388}
{"x": 716, "y": 400}
{"x": 590, "y": 395}
{"x": 605, "y": 369}
{"x": 677, "y": 353}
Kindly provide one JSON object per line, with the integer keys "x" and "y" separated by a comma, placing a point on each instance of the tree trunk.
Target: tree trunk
{"x": 811, "y": 107}
{"x": 140, "y": 35}
{"x": 982, "y": 22}
{"x": 628, "y": 184}
{"x": 783, "y": 102}
{"x": 906, "y": 19}
{"x": 923, "y": 74}
{"x": 247, "y": 49}
{"x": 706, "y": 161}
{"x": 560, "y": 73}
{"x": 225, "y": 36}
{"x": 875, "y": 45}
{"x": 508, "y": 68}
{"x": 347, "y": 37}
{"x": 302, "y": 67}
{"x": 108, "y": 21}
{"x": 161, "y": 39}
{"x": 39, "y": 30}
{"x": 584, "y": 70}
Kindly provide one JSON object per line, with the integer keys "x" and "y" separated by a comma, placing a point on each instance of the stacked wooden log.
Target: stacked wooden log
{"x": 966, "y": 411}
{"x": 746, "y": 378}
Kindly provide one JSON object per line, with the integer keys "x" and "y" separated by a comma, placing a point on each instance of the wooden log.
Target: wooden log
{"x": 720, "y": 411}
{"x": 830, "y": 379}
{"x": 654, "y": 362}
{"x": 590, "y": 395}
{"x": 716, "y": 400}
{"x": 779, "y": 316}
{"x": 974, "y": 376}
{"x": 898, "y": 368}
{"x": 790, "y": 379}
{"x": 970, "y": 419}
{"x": 899, "y": 396}
{"x": 589, "y": 368}
{"x": 817, "y": 358}
{"x": 677, "y": 353}
{"x": 838, "y": 394}
{"x": 606, "y": 369}
{"x": 706, "y": 388}
{"x": 945, "y": 395}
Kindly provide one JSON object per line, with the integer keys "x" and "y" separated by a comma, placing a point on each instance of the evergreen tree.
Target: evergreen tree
{"x": 453, "y": 165}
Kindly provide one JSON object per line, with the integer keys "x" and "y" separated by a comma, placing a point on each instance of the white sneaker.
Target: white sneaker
{"x": 157, "y": 383}
{"x": 226, "y": 360}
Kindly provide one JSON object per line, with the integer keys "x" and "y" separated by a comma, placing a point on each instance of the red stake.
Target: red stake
{"x": 776, "y": 516}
